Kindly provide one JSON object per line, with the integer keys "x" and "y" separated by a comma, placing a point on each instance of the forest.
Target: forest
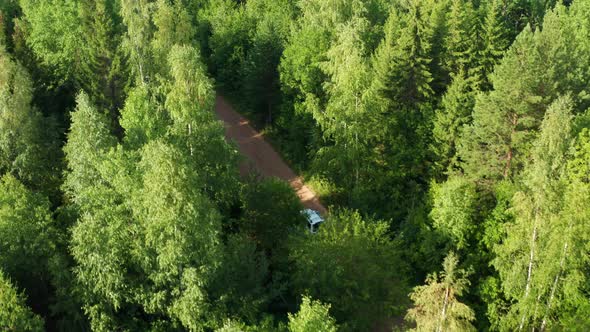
{"x": 449, "y": 140}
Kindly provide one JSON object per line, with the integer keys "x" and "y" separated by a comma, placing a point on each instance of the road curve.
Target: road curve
{"x": 260, "y": 156}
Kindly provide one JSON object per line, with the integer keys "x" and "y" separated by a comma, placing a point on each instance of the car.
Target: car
{"x": 314, "y": 219}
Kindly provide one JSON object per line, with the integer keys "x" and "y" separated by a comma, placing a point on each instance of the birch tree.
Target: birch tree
{"x": 524, "y": 265}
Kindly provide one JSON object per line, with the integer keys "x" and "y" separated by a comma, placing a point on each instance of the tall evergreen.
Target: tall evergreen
{"x": 436, "y": 306}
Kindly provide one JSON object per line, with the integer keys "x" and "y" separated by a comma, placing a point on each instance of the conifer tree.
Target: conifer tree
{"x": 459, "y": 41}
{"x": 494, "y": 41}
{"x": 449, "y": 120}
{"x": 496, "y": 144}
{"x": 436, "y": 307}
{"x": 101, "y": 74}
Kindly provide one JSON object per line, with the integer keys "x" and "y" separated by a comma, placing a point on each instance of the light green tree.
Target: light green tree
{"x": 531, "y": 255}
{"x": 89, "y": 139}
{"x": 14, "y": 313}
{"x": 312, "y": 316}
{"x": 436, "y": 304}
{"x": 454, "y": 210}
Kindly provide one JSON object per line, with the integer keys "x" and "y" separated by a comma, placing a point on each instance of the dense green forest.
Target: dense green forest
{"x": 449, "y": 138}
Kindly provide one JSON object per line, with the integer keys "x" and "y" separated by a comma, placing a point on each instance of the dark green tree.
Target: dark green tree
{"x": 352, "y": 264}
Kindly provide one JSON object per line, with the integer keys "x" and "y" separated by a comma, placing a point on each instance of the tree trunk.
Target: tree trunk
{"x": 510, "y": 154}
{"x": 555, "y": 282}
{"x": 530, "y": 268}
{"x": 443, "y": 315}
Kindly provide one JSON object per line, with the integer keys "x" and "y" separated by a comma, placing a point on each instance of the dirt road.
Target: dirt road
{"x": 260, "y": 156}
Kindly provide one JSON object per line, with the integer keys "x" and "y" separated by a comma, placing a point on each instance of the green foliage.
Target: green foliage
{"x": 28, "y": 142}
{"x": 239, "y": 283}
{"x": 352, "y": 264}
{"x": 505, "y": 120}
{"x": 454, "y": 210}
{"x": 436, "y": 306}
{"x": 55, "y": 35}
{"x": 312, "y": 316}
{"x": 271, "y": 213}
{"x": 27, "y": 240}
{"x": 455, "y": 113}
{"x": 531, "y": 270}
{"x": 195, "y": 130}
{"x": 88, "y": 141}
{"x": 14, "y": 314}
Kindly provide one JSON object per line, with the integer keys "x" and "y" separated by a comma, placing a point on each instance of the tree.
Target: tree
{"x": 238, "y": 288}
{"x": 102, "y": 69}
{"x": 180, "y": 229}
{"x": 143, "y": 119}
{"x": 271, "y": 212}
{"x": 403, "y": 93}
{"x": 352, "y": 264}
{"x": 460, "y": 42}
{"x": 436, "y": 306}
{"x": 349, "y": 118}
{"x": 498, "y": 141}
{"x": 195, "y": 130}
{"x": 88, "y": 142}
{"x": 259, "y": 73}
{"x": 137, "y": 18}
{"x": 28, "y": 141}
{"x": 14, "y": 314}
{"x": 55, "y": 35}
{"x": 27, "y": 244}
{"x": 495, "y": 39}
{"x": 528, "y": 267}
{"x": 450, "y": 119}
{"x": 454, "y": 210}
{"x": 312, "y": 316}
{"x": 173, "y": 27}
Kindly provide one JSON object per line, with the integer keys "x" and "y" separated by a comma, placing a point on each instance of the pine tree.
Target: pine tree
{"x": 494, "y": 44}
{"x": 496, "y": 144}
{"x": 100, "y": 73}
{"x": 436, "y": 307}
{"x": 459, "y": 44}
{"x": 449, "y": 120}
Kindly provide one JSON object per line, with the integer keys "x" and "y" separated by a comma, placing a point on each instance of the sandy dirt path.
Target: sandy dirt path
{"x": 260, "y": 156}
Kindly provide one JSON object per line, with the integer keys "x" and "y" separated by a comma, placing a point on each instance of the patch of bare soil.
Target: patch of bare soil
{"x": 260, "y": 156}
